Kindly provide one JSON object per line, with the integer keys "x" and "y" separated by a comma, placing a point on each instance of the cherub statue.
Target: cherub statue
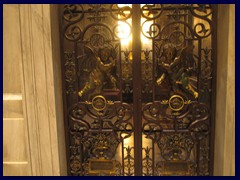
{"x": 100, "y": 73}
{"x": 177, "y": 69}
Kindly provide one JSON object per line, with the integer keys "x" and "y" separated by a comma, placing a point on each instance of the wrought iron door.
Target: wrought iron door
{"x": 138, "y": 83}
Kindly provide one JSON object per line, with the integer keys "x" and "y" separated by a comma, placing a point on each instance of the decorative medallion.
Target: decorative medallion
{"x": 75, "y": 165}
{"x": 99, "y": 103}
{"x": 176, "y": 103}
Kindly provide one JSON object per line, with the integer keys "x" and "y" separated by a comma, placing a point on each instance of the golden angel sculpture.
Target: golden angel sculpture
{"x": 100, "y": 67}
{"x": 178, "y": 69}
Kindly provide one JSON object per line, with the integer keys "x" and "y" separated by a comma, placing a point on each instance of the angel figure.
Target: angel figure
{"x": 178, "y": 69}
{"x": 102, "y": 66}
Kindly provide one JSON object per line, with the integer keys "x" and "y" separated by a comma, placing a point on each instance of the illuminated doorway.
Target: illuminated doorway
{"x": 138, "y": 83}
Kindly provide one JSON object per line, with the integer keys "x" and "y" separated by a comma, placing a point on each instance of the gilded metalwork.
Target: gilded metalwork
{"x": 178, "y": 118}
{"x": 204, "y": 160}
{"x": 127, "y": 72}
{"x": 99, "y": 103}
{"x": 70, "y": 73}
{"x": 129, "y": 162}
{"x": 101, "y": 73}
{"x": 113, "y": 107}
{"x": 147, "y": 74}
{"x": 101, "y": 145}
{"x": 175, "y": 146}
{"x": 147, "y": 162}
{"x": 98, "y": 135}
{"x": 174, "y": 168}
{"x": 177, "y": 69}
{"x": 102, "y": 167}
{"x": 176, "y": 103}
{"x": 121, "y": 12}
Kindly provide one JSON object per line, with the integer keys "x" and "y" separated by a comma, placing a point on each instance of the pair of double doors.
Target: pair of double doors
{"x": 138, "y": 83}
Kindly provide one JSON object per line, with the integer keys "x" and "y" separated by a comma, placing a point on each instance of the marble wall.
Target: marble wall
{"x": 34, "y": 144}
{"x": 224, "y": 153}
{"x": 16, "y": 159}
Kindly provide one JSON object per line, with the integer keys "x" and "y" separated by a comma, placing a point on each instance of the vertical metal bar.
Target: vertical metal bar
{"x": 154, "y": 71}
{"x": 185, "y": 30}
{"x": 199, "y": 68}
{"x": 120, "y": 73}
{"x": 136, "y": 48}
{"x": 198, "y": 158}
{"x": 76, "y": 98}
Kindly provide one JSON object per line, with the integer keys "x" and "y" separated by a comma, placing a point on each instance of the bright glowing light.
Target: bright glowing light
{"x": 146, "y": 42}
{"x": 128, "y": 141}
{"x": 124, "y": 31}
{"x": 123, "y": 5}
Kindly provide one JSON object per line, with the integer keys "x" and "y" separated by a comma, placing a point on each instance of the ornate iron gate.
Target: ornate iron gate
{"x": 138, "y": 83}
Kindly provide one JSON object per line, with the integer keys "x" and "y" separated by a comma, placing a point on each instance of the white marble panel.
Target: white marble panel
{"x": 40, "y": 90}
{"x": 16, "y": 169}
{"x": 12, "y": 109}
{"x": 14, "y": 141}
{"x": 11, "y": 49}
{"x": 224, "y": 153}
